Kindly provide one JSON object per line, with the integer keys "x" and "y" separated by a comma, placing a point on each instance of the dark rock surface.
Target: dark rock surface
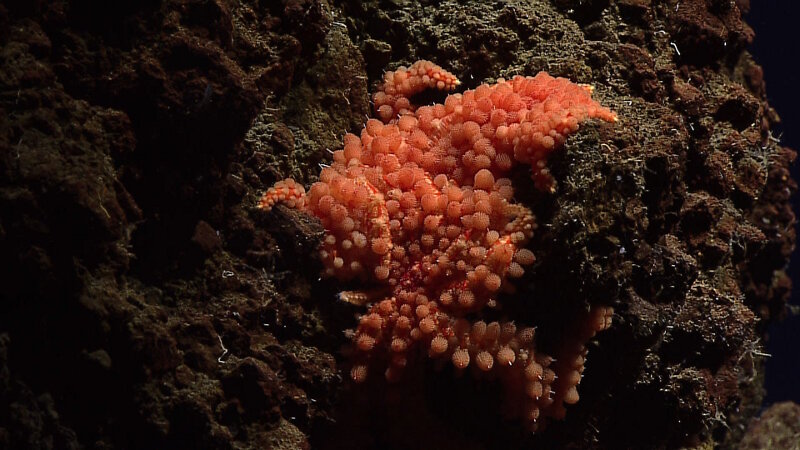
{"x": 147, "y": 304}
{"x": 777, "y": 427}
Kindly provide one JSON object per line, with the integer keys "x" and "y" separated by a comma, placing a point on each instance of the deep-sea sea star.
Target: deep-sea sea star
{"x": 418, "y": 205}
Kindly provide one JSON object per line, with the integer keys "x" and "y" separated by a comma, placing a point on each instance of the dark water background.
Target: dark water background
{"x": 777, "y": 49}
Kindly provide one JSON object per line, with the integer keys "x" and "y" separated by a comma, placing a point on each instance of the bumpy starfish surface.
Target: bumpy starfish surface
{"x": 419, "y": 206}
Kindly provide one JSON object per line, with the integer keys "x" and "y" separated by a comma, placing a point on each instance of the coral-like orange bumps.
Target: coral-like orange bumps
{"x": 419, "y": 205}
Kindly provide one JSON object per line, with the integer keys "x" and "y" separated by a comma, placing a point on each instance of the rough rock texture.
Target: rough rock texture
{"x": 777, "y": 427}
{"x": 146, "y": 303}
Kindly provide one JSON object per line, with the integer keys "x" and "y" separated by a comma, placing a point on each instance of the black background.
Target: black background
{"x": 777, "y": 49}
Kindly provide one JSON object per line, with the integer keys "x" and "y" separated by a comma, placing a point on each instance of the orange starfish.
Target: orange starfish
{"x": 419, "y": 204}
